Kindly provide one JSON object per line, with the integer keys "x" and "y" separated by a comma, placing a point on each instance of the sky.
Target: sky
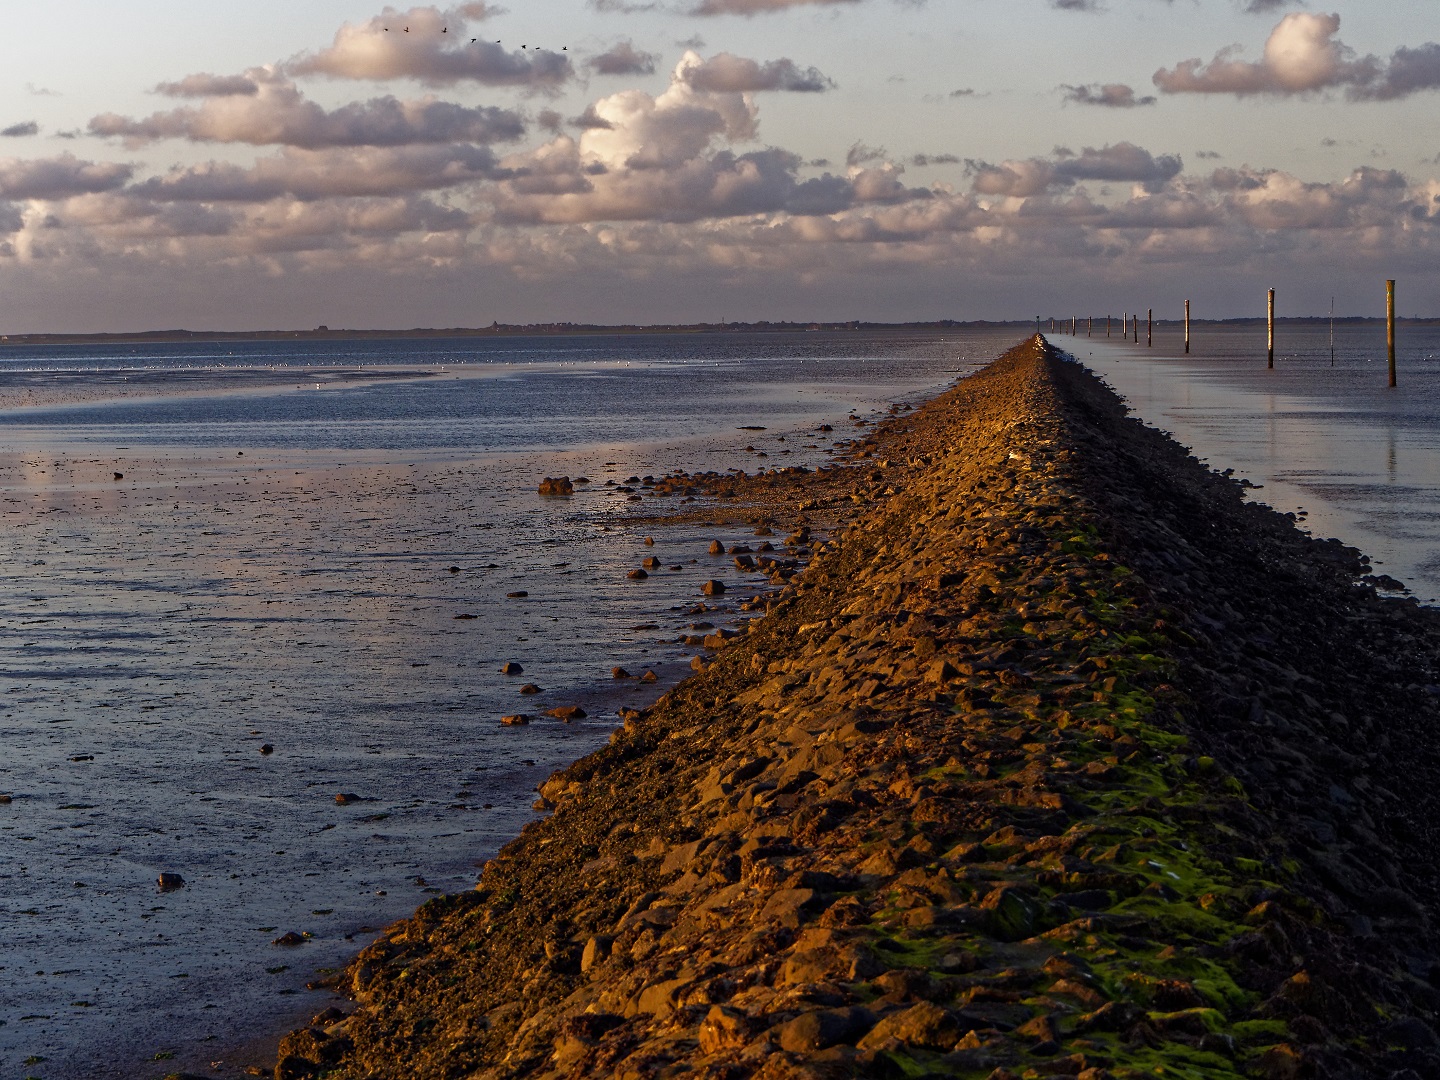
{"x": 168, "y": 163}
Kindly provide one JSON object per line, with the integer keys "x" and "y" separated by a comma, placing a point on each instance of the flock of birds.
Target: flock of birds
{"x": 446, "y": 30}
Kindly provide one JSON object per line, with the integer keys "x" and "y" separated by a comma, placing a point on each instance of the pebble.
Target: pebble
{"x": 266, "y": 748}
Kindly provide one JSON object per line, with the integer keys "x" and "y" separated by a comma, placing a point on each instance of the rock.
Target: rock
{"x": 119, "y": 476}
{"x": 453, "y": 569}
{"x": 529, "y": 688}
{"x": 652, "y": 563}
{"x": 713, "y": 588}
{"x": 168, "y": 882}
{"x": 345, "y": 798}
{"x": 597, "y": 951}
{"x": 619, "y": 673}
{"x": 924, "y": 1025}
{"x": 717, "y": 548}
{"x": 466, "y": 616}
{"x": 557, "y": 486}
{"x": 519, "y": 594}
{"x": 697, "y": 663}
{"x": 637, "y": 575}
{"x": 518, "y": 720}
{"x": 649, "y": 541}
{"x": 568, "y": 713}
{"x": 724, "y": 1029}
{"x": 5, "y": 800}
{"x": 812, "y": 1031}
{"x": 290, "y": 939}
{"x": 512, "y": 668}
{"x": 266, "y": 748}
{"x": 649, "y": 677}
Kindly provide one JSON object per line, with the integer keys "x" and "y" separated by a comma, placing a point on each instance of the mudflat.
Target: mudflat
{"x": 1061, "y": 760}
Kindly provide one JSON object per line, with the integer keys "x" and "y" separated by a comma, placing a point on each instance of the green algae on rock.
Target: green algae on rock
{"x": 954, "y": 807}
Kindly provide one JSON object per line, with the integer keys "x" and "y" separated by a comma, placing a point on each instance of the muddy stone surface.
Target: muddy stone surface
{"x": 1062, "y": 760}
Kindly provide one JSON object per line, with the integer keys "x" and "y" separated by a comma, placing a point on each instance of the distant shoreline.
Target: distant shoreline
{"x": 499, "y": 330}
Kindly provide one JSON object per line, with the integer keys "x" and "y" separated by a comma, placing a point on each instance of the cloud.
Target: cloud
{"x": 432, "y": 46}
{"x": 1036, "y": 176}
{"x": 1122, "y": 161}
{"x": 712, "y": 7}
{"x": 1110, "y": 95}
{"x": 623, "y": 59}
{"x": 860, "y": 154}
{"x": 1302, "y": 55}
{"x": 920, "y": 161}
{"x": 203, "y": 85}
{"x": 59, "y": 177}
{"x": 308, "y": 175}
{"x": 20, "y": 130}
{"x": 758, "y": 7}
{"x": 726, "y": 73}
{"x": 277, "y": 113}
{"x": 1409, "y": 71}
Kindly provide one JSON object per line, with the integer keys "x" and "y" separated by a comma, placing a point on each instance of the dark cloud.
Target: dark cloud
{"x": 860, "y": 154}
{"x": 1110, "y": 95}
{"x": 20, "y": 130}
{"x": 623, "y": 59}
{"x": 1408, "y": 72}
{"x": 920, "y": 161}
{"x": 59, "y": 177}
{"x": 1122, "y": 161}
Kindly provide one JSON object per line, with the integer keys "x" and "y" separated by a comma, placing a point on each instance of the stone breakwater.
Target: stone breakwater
{"x": 1061, "y": 761}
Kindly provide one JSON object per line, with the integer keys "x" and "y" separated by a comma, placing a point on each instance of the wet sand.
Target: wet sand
{"x": 162, "y": 628}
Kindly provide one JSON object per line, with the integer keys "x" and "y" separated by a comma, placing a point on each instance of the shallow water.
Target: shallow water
{"x": 1350, "y": 456}
{"x": 274, "y": 566}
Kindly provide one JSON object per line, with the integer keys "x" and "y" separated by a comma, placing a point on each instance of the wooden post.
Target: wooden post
{"x": 1107, "y": 326}
{"x": 1135, "y": 326}
{"x": 1390, "y": 326}
{"x": 1187, "y": 327}
{"x": 1150, "y": 328}
{"x": 1090, "y": 326}
{"x": 1271, "y": 323}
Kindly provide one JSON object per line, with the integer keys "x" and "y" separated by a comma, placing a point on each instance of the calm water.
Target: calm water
{"x": 275, "y": 567}
{"x": 1360, "y": 460}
